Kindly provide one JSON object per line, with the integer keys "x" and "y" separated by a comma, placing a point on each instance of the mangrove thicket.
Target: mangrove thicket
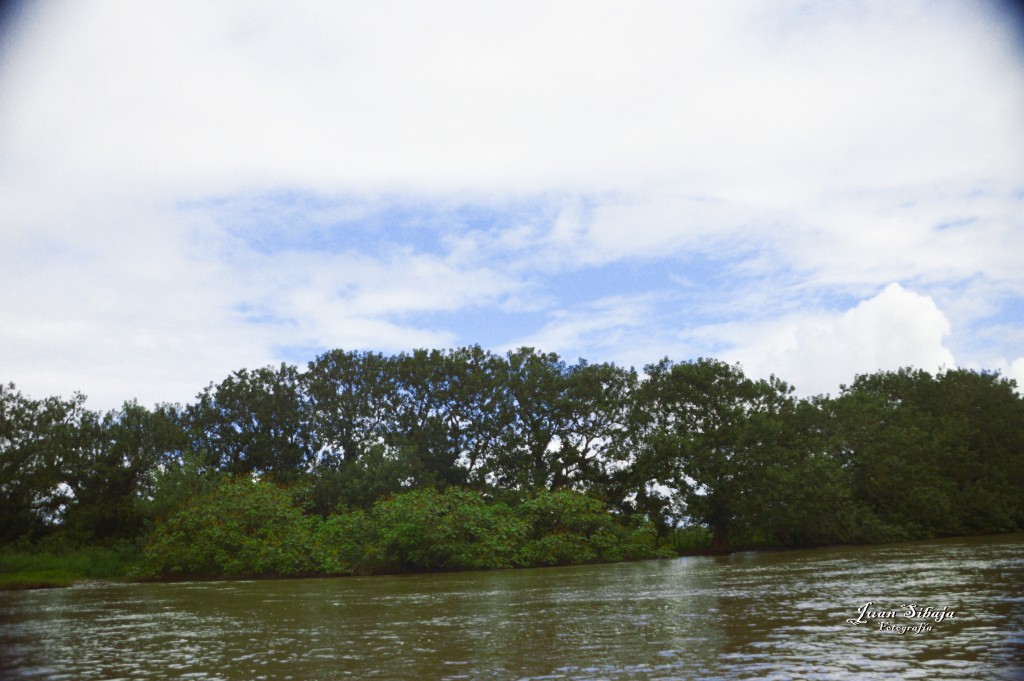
{"x": 362, "y": 463}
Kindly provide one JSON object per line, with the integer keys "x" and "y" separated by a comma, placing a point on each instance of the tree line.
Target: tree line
{"x": 896, "y": 455}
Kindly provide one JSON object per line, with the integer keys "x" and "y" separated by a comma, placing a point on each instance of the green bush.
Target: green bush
{"x": 243, "y": 528}
{"x": 346, "y": 543}
{"x": 41, "y": 579}
{"x": 642, "y": 542}
{"x": 569, "y": 528}
{"x": 451, "y": 530}
{"x": 689, "y": 539}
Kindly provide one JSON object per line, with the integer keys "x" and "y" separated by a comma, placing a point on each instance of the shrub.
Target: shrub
{"x": 243, "y": 528}
{"x": 569, "y": 528}
{"x": 451, "y": 530}
{"x": 346, "y": 543}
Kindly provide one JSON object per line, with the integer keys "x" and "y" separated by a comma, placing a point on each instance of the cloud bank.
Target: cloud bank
{"x": 813, "y": 189}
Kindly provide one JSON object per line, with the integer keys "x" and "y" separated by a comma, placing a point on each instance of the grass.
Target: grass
{"x": 37, "y": 579}
{"x": 690, "y": 539}
{"x": 36, "y": 568}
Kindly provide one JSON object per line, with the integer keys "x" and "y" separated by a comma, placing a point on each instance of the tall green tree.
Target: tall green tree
{"x": 435, "y": 405}
{"x": 986, "y": 412}
{"x": 254, "y": 422}
{"x": 796, "y": 493}
{"x": 713, "y": 431}
{"x": 560, "y": 421}
{"x": 595, "y": 418}
{"x": 934, "y": 455}
{"x": 114, "y": 481}
{"x": 889, "y": 451}
{"x": 41, "y": 441}
{"x": 353, "y": 403}
{"x": 533, "y": 406}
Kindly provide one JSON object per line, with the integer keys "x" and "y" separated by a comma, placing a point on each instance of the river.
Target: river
{"x": 778, "y": 615}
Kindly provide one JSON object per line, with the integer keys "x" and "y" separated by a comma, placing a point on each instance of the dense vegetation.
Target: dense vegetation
{"x": 464, "y": 459}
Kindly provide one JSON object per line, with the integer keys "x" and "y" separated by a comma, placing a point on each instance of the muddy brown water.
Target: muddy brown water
{"x": 784, "y": 615}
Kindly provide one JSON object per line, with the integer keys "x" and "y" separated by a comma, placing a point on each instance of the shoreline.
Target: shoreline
{"x": 60, "y": 579}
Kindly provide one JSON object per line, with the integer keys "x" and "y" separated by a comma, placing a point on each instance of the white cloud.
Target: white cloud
{"x": 815, "y": 149}
{"x": 158, "y": 313}
{"x": 403, "y": 96}
{"x": 609, "y": 327}
{"x": 1016, "y": 372}
{"x": 896, "y": 328}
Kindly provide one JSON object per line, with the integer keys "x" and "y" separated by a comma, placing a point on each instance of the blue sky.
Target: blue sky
{"x": 812, "y": 189}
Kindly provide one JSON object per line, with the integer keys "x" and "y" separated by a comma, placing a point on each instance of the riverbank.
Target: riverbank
{"x": 41, "y": 568}
{"x": 63, "y": 578}
{"x": 44, "y": 569}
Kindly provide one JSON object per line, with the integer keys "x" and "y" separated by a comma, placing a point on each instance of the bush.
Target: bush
{"x": 346, "y": 543}
{"x": 692, "y": 538}
{"x": 569, "y": 528}
{"x": 243, "y": 528}
{"x": 451, "y": 530}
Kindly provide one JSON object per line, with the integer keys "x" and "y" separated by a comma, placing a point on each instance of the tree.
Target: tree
{"x": 353, "y": 407}
{"x": 41, "y": 441}
{"x": 560, "y": 420}
{"x": 254, "y": 422}
{"x": 986, "y": 412}
{"x": 114, "y": 481}
{"x": 352, "y": 403}
{"x": 934, "y": 455}
{"x": 713, "y": 431}
{"x": 532, "y": 408}
{"x": 798, "y": 495}
{"x": 595, "y": 418}
{"x": 434, "y": 429}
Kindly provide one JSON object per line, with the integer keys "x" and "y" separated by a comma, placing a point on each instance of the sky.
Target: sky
{"x": 811, "y": 189}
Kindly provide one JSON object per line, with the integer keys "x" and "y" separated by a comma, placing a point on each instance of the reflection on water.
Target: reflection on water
{"x": 752, "y": 615}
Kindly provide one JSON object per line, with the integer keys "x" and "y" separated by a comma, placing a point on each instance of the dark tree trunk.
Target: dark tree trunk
{"x": 719, "y": 539}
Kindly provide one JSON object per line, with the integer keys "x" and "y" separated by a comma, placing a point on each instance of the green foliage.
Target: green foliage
{"x": 689, "y": 539}
{"x": 114, "y": 487}
{"x": 452, "y": 530}
{"x": 464, "y": 459}
{"x": 352, "y": 401}
{"x": 795, "y": 493}
{"x": 254, "y": 422}
{"x": 178, "y": 483}
{"x": 346, "y": 543}
{"x": 243, "y": 528}
{"x": 40, "y": 441}
{"x": 39, "y": 567}
{"x": 86, "y": 476}
{"x": 377, "y": 473}
{"x": 250, "y": 529}
{"x": 559, "y": 421}
{"x": 569, "y": 528}
{"x": 715, "y": 434}
{"x": 42, "y": 579}
{"x": 89, "y": 562}
{"x": 932, "y": 455}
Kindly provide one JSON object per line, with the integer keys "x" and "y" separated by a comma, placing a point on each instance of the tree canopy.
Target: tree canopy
{"x": 350, "y": 439}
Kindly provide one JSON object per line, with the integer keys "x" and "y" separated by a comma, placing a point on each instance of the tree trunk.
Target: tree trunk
{"x": 719, "y": 539}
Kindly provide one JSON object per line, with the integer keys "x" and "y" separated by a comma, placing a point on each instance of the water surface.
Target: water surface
{"x": 746, "y": 616}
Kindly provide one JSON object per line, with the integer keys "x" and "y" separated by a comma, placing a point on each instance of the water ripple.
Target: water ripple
{"x": 748, "y": 616}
